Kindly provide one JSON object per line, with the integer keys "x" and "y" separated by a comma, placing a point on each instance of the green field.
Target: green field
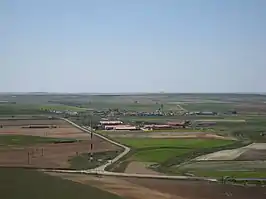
{"x": 166, "y": 152}
{"x": 6, "y": 140}
{"x": 186, "y": 143}
{"x": 30, "y": 184}
{"x": 19, "y": 109}
{"x": 217, "y": 107}
{"x": 157, "y": 155}
{"x": 61, "y": 108}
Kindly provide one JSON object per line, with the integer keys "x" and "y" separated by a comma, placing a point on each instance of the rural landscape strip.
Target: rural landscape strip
{"x": 101, "y": 169}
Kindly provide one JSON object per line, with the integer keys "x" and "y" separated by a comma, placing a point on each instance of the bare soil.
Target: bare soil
{"x": 136, "y": 188}
{"x": 253, "y": 154}
{"x": 140, "y": 168}
{"x": 49, "y": 155}
{"x": 63, "y": 130}
{"x": 201, "y": 190}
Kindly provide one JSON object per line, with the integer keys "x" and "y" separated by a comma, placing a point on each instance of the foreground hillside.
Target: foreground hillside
{"x": 30, "y": 184}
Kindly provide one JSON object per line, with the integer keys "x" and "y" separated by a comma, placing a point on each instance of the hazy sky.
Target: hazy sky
{"x": 133, "y": 45}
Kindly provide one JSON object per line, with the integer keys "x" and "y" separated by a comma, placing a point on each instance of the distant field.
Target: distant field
{"x": 34, "y": 109}
{"x": 30, "y": 184}
{"x": 6, "y": 140}
{"x": 61, "y": 108}
{"x": 218, "y": 107}
{"x": 19, "y": 109}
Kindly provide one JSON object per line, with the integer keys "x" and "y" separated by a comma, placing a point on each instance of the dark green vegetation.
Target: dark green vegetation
{"x": 19, "y": 109}
{"x": 83, "y": 161}
{"x": 30, "y": 184}
{"x": 6, "y": 140}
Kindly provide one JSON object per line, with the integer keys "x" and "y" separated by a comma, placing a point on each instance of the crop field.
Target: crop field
{"x": 158, "y": 155}
{"x": 25, "y": 140}
{"x": 30, "y": 184}
{"x": 61, "y": 108}
{"x": 164, "y": 151}
{"x": 62, "y": 130}
{"x": 178, "y": 143}
{"x": 163, "y": 134}
{"x": 45, "y": 147}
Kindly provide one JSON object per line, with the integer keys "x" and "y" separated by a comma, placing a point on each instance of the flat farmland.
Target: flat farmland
{"x": 45, "y": 147}
{"x": 164, "y": 134}
{"x": 49, "y": 155}
{"x": 62, "y": 130}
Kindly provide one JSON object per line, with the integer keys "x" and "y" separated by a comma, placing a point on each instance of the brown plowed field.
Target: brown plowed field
{"x": 136, "y": 188}
{"x": 47, "y": 155}
{"x": 63, "y": 130}
{"x": 54, "y": 155}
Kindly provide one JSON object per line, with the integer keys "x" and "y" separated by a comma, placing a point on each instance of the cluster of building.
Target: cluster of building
{"x": 201, "y": 113}
{"x": 209, "y": 113}
{"x": 119, "y": 125}
{"x": 116, "y": 125}
{"x": 118, "y": 112}
{"x": 66, "y": 112}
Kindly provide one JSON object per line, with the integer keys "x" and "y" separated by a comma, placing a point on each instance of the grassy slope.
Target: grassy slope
{"x": 27, "y": 140}
{"x": 30, "y": 184}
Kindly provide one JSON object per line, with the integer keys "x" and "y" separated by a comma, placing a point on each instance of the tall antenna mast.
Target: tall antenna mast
{"x": 91, "y": 154}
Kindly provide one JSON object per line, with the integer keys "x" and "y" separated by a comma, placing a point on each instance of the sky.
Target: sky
{"x": 111, "y": 46}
